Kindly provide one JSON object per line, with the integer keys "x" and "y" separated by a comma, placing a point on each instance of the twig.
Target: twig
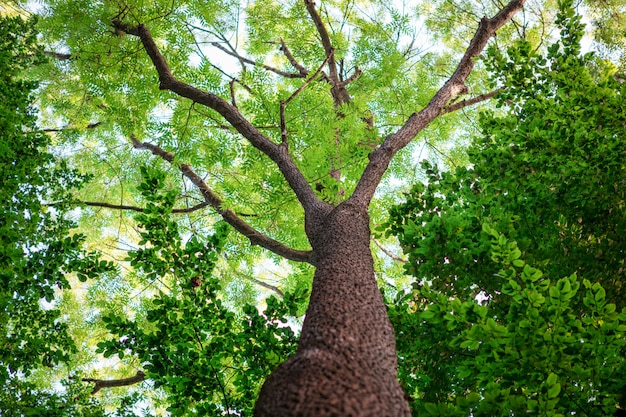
{"x": 283, "y": 103}
{"x": 256, "y": 64}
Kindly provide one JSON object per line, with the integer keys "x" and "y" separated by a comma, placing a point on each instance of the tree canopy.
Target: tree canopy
{"x": 542, "y": 201}
{"x": 189, "y": 190}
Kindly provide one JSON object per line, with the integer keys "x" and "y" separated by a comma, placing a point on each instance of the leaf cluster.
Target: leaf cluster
{"x": 38, "y": 252}
{"x": 208, "y": 358}
{"x": 540, "y": 356}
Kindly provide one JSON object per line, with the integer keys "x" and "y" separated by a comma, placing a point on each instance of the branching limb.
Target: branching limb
{"x": 111, "y": 383}
{"x": 387, "y": 252}
{"x": 469, "y": 102}
{"x": 283, "y": 103}
{"x": 277, "y": 153}
{"x": 257, "y": 64}
{"x": 255, "y": 237}
{"x": 301, "y": 69}
{"x": 339, "y": 92}
{"x": 380, "y": 158}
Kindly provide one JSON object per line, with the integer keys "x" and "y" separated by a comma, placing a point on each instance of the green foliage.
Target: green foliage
{"x": 38, "y": 253}
{"x": 547, "y": 173}
{"x": 539, "y": 356}
{"x": 209, "y": 359}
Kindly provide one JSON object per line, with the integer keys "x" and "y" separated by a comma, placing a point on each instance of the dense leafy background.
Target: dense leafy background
{"x": 510, "y": 302}
{"x": 542, "y": 201}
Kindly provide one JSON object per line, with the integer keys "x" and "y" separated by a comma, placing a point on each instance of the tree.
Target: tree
{"x": 37, "y": 252}
{"x": 546, "y": 172}
{"x": 308, "y": 124}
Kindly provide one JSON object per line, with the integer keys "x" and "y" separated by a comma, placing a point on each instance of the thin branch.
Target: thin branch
{"x": 277, "y": 153}
{"x": 283, "y": 103}
{"x": 141, "y": 209}
{"x": 354, "y": 76}
{"x": 380, "y": 158}
{"x": 301, "y": 69}
{"x": 255, "y": 237}
{"x": 387, "y": 252}
{"x": 186, "y": 210}
{"x": 58, "y": 56}
{"x": 111, "y": 383}
{"x": 469, "y": 102}
{"x": 340, "y": 95}
{"x": 266, "y": 285}
{"x": 60, "y": 129}
{"x": 232, "y": 92}
{"x": 256, "y": 64}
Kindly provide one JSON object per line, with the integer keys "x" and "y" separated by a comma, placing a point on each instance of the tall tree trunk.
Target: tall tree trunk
{"x": 346, "y": 360}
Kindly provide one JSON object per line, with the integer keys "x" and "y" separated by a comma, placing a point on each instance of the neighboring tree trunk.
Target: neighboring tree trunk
{"x": 346, "y": 360}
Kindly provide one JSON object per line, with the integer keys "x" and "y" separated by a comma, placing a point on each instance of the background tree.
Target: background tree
{"x": 37, "y": 252}
{"x": 547, "y": 172}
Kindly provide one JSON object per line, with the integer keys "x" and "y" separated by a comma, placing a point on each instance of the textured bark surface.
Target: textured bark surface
{"x": 346, "y": 360}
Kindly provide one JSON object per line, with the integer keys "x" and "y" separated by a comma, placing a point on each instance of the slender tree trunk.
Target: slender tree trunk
{"x": 346, "y": 360}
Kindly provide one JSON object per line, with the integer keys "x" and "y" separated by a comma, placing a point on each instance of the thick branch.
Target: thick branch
{"x": 469, "y": 102}
{"x": 103, "y": 383}
{"x": 255, "y": 237}
{"x": 277, "y": 153}
{"x": 380, "y": 158}
{"x": 256, "y": 64}
{"x": 340, "y": 95}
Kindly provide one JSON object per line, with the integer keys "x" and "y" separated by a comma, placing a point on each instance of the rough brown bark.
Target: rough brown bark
{"x": 346, "y": 361}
